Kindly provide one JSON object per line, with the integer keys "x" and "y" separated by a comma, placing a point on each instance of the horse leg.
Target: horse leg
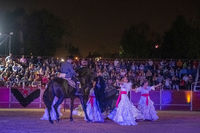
{"x": 48, "y": 105}
{"x": 48, "y": 100}
{"x": 49, "y": 112}
{"x": 84, "y": 108}
{"x": 71, "y": 108}
{"x": 60, "y": 100}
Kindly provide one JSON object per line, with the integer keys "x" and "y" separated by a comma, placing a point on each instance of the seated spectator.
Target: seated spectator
{"x": 179, "y": 63}
{"x": 182, "y": 72}
{"x": 175, "y": 83}
{"x": 182, "y": 85}
{"x": 8, "y": 59}
{"x": 167, "y": 83}
{"x": 23, "y": 60}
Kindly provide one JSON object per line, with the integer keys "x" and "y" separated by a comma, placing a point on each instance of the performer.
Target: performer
{"x": 53, "y": 112}
{"x": 78, "y": 111}
{"x": 125, "y": 112}
{"x": 93, "y": 110}
{"x": 145, "y": 104}
{"x": 69, "y": 74}
{"x": 99, "y": 90}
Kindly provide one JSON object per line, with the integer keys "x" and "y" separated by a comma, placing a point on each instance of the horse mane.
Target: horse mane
{"x": 86, "y": 73}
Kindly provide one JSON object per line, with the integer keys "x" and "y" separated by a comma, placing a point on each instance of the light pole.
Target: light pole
{"x": 9, "y": 45}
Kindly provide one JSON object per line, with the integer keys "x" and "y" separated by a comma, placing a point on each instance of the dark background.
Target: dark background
{"x": 98, "y": 25}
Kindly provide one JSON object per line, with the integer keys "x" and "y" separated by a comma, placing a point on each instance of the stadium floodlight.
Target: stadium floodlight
{"x": 11, "y": 33}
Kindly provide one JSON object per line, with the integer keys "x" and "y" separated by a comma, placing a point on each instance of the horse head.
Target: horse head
{"x": 86, "y": 77}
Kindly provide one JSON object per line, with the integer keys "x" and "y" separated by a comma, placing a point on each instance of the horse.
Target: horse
{"x": 60, "y": 88}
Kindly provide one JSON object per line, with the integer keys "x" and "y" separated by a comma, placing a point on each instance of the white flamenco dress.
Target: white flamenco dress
{"x": 79, "y": 111}
{"x": 93, "y": 110}
{"x": 125, "y": 112}
{"x": 53, "y": 113}
{"x": 146, "y": 105}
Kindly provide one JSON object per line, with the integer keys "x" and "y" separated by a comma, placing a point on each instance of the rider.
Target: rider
{"x": 67, "y": 69}
{"x": 84, "y": 63}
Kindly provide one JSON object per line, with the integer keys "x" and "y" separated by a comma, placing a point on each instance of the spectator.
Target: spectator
{"x": 8, "y": 59}
{"x": 174, "y": 75}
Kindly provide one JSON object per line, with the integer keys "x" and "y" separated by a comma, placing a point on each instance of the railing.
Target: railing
{"x": 163, "y": 99}
{"x": 195, "y": 86}
{"x": 196, "y": 78}
{"x": 169, "y": 99}
{"x": 8, "y": 100}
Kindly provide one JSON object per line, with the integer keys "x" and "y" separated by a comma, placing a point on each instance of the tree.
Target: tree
{"x": 13, "y": 21}
{"x": 43, "y": 33}
{"x": 194, "y": 51}
{"x": 94, "y": 54}
{"x": 39, "y": 32}
{"x": 72, "y": 50}
{"x": 135, "y": 43}
{"x": 181, "y": 41}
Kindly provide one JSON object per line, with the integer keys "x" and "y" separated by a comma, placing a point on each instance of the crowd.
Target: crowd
{"x": 33, "y": 71}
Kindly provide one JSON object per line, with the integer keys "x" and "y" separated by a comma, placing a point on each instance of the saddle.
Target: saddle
{"x": 69, "y": 80}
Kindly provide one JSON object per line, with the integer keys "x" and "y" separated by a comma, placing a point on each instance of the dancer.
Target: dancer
{"x": 93, "y": 110}
{"x": 78, "y": 111}
{"x": 145, "y": 104}
{"x": 125, "y": 112}
{"x": 53, "y": 113}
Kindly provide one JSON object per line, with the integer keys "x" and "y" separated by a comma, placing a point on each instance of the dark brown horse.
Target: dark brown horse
{"x": 60, "y": 88}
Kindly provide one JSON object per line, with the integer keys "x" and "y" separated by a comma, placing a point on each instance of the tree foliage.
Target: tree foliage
{"x": 135, "y": 43}
{"x": 43, "y": 33}
{"x": 39, "y": 32}
{"x": 182, "y": 40}
{"x": 72, "y": 50}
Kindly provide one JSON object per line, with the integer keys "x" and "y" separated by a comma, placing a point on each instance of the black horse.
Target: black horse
{"x": 60, "y": 88}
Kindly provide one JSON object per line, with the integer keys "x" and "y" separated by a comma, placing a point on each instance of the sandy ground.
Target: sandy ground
{"x": 28, "y": 121}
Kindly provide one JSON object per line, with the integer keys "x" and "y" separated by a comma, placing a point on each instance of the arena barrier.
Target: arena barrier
{"x": 171, "y": 100}
{"x": 8, "y": 100}
{"x": 163, "y": 100}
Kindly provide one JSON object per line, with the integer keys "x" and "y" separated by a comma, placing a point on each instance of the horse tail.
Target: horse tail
{"x": 48, "y": 95}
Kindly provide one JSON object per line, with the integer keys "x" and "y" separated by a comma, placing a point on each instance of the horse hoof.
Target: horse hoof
{"x": 58, "y": 120}
{"x": 71, "y": 120}
{"x": 51, "y": 121}
{"x": 89, "y": 121}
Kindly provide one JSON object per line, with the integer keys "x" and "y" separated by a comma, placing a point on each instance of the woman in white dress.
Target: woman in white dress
{"x": 145, "y": 104}
{"x": 78, "y": 111}
{"x": 93, "y": 110}
{"x": 53, "y": 113}
{"x": 125, "y": 112}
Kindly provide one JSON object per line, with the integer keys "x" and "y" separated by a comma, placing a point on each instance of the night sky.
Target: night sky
{"x": 99, "y": 23}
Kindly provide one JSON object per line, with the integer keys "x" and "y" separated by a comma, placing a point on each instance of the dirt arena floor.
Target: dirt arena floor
{"x": 28, "y": 121}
